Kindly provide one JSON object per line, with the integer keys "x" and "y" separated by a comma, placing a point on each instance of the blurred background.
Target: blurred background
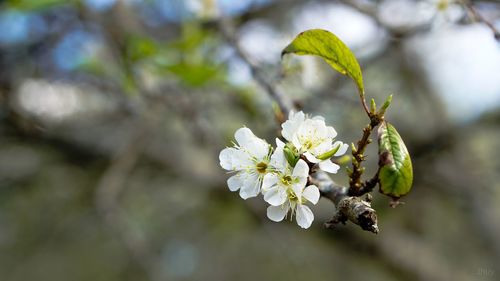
{"x": 113, "y": 112}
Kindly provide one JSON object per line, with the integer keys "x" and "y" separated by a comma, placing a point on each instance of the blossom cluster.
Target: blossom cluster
{"x": 281, "y": 174}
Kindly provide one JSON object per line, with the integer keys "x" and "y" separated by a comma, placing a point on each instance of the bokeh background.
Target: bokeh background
{"x": 113, "y": 113}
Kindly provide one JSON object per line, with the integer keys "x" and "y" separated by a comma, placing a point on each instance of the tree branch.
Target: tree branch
{"x": 108, "y": 190}
{"x": 351, "y": 208}
{"x": 476, "y": 16}
{"x": 284, "y": 103}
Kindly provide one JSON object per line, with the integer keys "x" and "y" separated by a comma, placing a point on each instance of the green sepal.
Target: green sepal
{"x": 291, "y": 154}
{"x": 329, "y": 154}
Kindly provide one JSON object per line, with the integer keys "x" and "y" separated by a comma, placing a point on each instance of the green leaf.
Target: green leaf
{"x": 396, "y": 172}
{"x": 35, "y": 5}
{"x": 196, "y": 75}
{"x": 326, "y": 45}
{"x": 139, "y": 48}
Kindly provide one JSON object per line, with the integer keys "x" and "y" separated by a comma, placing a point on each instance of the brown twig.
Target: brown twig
{"x": 356, "y": 186}
{"x": 476, "y": 16}
{"x": 348, "y": 208}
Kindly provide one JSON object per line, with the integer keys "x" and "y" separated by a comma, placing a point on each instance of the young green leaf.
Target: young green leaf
{"x": 396, "y": 172}
{"x": 326, "y": 45}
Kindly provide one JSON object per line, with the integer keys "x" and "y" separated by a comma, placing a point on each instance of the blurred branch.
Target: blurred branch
{"x": 281, "y": 99}
{"x": 112, "y": 182}
{"x": 364, "y": 7}
{"x": 370, "y": 9}
{"x": 108, "y": 190}
{"x": 476, "y": 16}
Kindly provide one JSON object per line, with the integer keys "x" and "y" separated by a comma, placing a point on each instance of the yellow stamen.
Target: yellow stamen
{"x": 286, "y": 180}
{"x": 261, "y": 167}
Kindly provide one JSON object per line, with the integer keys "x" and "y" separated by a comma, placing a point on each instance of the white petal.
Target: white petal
{"x": 300, "y": 173}
{"x": 234, "y": 159}
{"x": 328, "y": 166}
{"x": 298, "y": 188}
{"x": 251, "y": 186}
{"x": 235, "y": 182}
{"x": 292, "y": 124}
{"x": 318, "y": 118}
{"x": 331, "y": 133}
{"x": 269, "y": 181}
{"x": 320, "y": 128}
{"x": 278, "y": 159}
{"x": 296, "y": 142}
{"x": 275, "y": 196}
{"x": 279, "y": 143}
{"x": 241, "y": 160}
{"x": 342, "y": 149}
{"x": 225, "y": 158}
{"x": 323, "y": 147}
{"x": 311, "y": 193}
{"x": 277, "y": 213}
{"x": 311, "y": 129}
{"x": 301, "y": 183}
{"x": 304, "y": 216}
{"x": 301, "y": 169}
{"x": 252, "y": 144}
{"x": 311, "y": 158}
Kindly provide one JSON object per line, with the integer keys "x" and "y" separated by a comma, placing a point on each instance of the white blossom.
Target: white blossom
{"x": 445, "y": 12}
{"x": 285, "y": 189}
{"x": 313, "y": 138}
{"x": 249, "y": 159}
{"x": 282, "y": 177}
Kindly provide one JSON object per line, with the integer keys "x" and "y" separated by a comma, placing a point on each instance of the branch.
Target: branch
{"x": 108, "y": 190}
{"x": 284, "y": 103}
{"x": 356, "y": 186}
{"x": 476, "y": 16}
{"x": 350, "y": 208}
{"x": 370, "y": 9}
